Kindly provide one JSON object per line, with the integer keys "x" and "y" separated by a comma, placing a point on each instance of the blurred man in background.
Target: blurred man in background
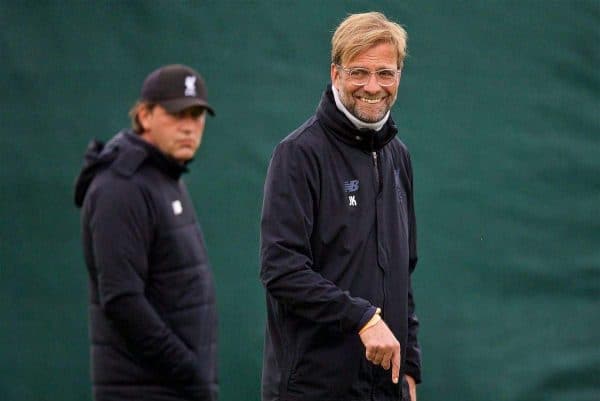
{"x": 338, "y": 229}
{"x": 152, "y": 304}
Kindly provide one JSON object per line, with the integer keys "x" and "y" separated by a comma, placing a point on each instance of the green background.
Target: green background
{"x": 499, "y": 104}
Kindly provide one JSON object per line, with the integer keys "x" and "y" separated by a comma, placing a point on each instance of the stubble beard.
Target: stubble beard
{"x": 353, "y": 106}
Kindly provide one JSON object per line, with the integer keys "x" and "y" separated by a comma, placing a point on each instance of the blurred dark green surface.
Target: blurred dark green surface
{"x": 499, "y": 104}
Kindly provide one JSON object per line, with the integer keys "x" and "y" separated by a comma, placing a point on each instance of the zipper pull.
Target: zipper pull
{"x": 377, "y": 177}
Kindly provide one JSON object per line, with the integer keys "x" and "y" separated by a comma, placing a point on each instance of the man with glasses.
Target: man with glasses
{"x": 338, "y": 235}
{"x": 153, "y": 317}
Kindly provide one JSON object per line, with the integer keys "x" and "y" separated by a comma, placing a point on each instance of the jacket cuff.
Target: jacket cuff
{"x": 368, "y": 315}
{"x": 413, "y": 371}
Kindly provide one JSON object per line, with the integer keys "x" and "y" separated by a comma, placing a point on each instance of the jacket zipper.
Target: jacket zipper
{"x": 376, "y": 171}
{"x": 379, "y": 184}
{"x": 378, "y": 190}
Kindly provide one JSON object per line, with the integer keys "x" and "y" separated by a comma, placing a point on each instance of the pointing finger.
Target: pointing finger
{"x": 395, "y": 366}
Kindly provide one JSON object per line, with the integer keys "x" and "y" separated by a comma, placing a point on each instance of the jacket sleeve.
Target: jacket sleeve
{"x": 287, "y": 266}
{"x": 413, "y": 351}
{"x": 121, "y": 233}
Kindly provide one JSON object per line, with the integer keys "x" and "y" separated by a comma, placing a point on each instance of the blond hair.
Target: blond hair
{"x": 136, "y": 125}
{"x": 359, "y": 32}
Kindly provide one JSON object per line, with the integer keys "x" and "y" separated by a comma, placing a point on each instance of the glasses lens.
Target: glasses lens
{"x": 359, "y": 76}
{"x": 386, "y": 77}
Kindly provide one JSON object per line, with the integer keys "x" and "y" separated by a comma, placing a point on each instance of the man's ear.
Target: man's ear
{"x": 144, "y": 115}
{"x": 335, "y": 72}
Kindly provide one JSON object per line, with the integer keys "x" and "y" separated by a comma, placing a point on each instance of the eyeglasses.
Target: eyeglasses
{"x": 360, "y": 76}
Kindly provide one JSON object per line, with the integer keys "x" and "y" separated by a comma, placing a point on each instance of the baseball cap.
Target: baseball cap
{"x": 176, "y": 87}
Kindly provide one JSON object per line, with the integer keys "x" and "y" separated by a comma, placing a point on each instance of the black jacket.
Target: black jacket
{"x": 152, "y": 303}
{"x": 338, "y": 240}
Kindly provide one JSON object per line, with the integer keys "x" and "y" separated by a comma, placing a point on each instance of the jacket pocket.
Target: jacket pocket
{"x": 328, "y": 367}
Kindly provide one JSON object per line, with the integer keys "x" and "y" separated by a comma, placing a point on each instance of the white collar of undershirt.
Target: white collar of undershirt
{"x": 376, "y": 126}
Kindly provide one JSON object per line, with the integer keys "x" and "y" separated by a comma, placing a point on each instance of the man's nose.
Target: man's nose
{"x": 372, "y": 85}
{"x": 188, "y": 125}
{"x": 186, "y": 130}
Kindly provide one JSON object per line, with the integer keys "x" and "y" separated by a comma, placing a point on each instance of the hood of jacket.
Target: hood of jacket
{"x": 125, "y": 153}
{"x": 339, "y": 125}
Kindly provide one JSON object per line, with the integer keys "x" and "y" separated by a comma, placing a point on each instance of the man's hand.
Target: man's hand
{"x": 382, "y": 348}
{"x": 412, "y": 386}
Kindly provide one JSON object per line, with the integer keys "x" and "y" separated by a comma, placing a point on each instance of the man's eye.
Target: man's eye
{"x": 386, "y": 73}
{"x": 194, "y": 113}
{"x": 359, "y": 73}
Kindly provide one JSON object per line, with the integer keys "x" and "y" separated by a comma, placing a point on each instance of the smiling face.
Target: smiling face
{"x": 176, "y": 135}
{"x": 370, "y": 102}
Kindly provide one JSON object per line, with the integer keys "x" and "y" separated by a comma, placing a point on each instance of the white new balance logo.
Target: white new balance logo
{"x": 177, "y": 208}
{"x": 190, "y": 85}
{"x": 352, "y": 200}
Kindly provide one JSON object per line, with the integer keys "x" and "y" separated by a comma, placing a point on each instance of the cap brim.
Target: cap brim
{"x": 177, "y": 105}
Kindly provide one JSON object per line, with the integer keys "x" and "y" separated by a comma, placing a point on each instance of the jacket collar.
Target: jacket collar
{"x": 337, "y": 124}
{"x": 125, "y": 153}
{"x": 156, "y": 157}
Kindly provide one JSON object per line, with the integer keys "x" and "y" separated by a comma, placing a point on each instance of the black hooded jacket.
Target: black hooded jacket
{"x": 152, "y": 314}
{"x": 338, "y": 240}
